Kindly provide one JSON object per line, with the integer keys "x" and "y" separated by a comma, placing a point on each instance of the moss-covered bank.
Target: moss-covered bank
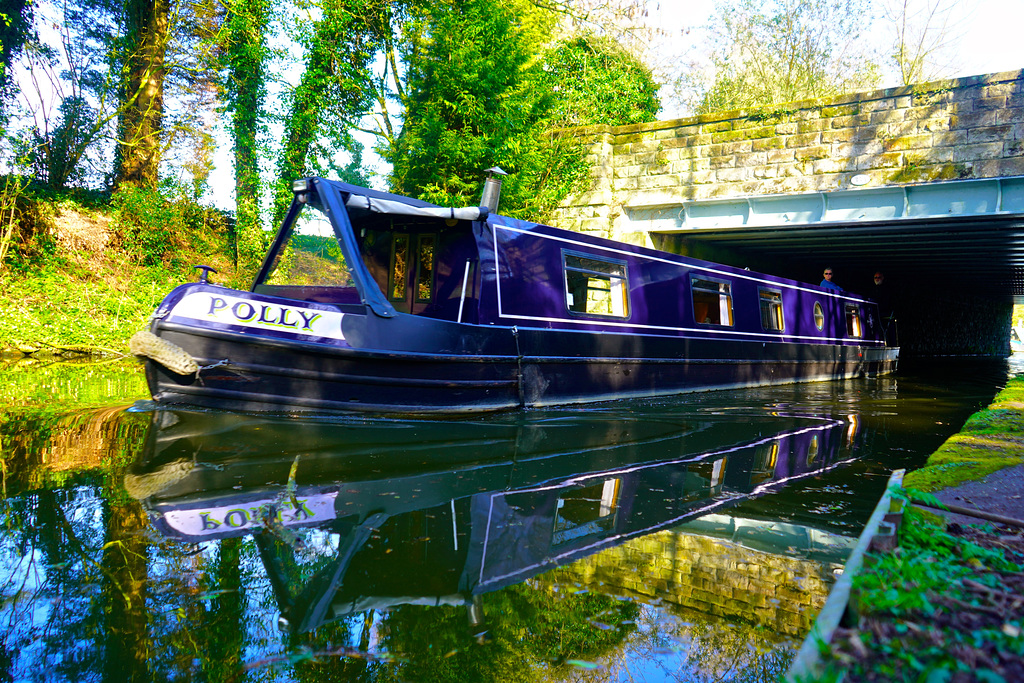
{"x": 990, "y": 440}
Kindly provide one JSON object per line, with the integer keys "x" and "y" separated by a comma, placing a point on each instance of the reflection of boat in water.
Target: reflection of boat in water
{"x": 372, "y": 302}
{"x": 502, "y": 501}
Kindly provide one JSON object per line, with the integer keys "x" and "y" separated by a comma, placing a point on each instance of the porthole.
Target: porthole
{"x": 819, "y": 316}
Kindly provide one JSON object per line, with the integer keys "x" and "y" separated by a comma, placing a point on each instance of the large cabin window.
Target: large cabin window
{"x": 712, "y": 301}
{"x": 595, "y": 286}
{"x": 311, "y": 257}
{"x": 772, "y": 318}
{"x": 853, "y": 326}
{"x": 586, "y": 512}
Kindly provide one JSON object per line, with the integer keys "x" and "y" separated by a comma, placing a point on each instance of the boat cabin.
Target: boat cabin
{"x": 402, "y": 256}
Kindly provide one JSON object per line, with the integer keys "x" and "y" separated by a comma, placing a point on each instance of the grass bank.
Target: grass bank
{"x": 82, "y": 273}
{"x": 945, "y": 606}
{"x": 948, "y": 604}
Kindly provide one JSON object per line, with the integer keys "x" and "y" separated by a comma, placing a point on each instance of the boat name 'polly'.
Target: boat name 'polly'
{"x": 216, "y": 520}
{"x": 245, "y": 312}
{"x": 251, "y": 313}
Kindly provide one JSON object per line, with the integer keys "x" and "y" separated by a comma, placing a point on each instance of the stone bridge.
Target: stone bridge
{"x": 932, "y": 173}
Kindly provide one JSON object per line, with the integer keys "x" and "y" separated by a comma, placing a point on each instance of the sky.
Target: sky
{"x": 991, "y": 31}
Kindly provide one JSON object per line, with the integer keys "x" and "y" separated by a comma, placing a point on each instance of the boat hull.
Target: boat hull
{"x": 470, "y": 368}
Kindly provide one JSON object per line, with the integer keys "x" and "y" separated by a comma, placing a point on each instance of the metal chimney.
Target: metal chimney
{"x": 492, "y": 189}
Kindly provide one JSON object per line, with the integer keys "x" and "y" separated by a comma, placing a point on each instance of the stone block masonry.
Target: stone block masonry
{"x": 710, "y": 576}
{"x": 945, "y": 130}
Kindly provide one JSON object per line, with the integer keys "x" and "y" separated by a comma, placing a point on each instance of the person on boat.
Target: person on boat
{"x": 827, "y": 282}
{"x": 886, "y": 309}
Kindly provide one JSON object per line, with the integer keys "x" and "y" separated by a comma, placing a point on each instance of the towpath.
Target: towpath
{"x": 1000, "y": 493}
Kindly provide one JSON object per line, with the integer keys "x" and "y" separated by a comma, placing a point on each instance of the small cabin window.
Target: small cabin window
{"x": 412, "y": 258}
{"x": 813, "y": 448}
{"x": 595, "y": 286}
{"x": 425, "y": 269}
{"x": 853, "y": 326}
{"x": 399, "y": 266}
{"x": 712, "y": 301}
{"x": 772, "y": 318}
{"x": 819, "y": 316}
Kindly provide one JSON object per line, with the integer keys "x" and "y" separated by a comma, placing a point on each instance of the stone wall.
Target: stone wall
{"x": 963, "y": 128}
{"x": 712, "y": 576}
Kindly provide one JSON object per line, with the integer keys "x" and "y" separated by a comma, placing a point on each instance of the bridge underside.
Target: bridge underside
{"x": 972, "y": 254}
{"x": 952, "y": 253}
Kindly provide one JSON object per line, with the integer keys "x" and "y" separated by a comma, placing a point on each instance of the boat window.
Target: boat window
{"x": 853, "y": 327}
{"x": 596, "y": 286}
{"x": 312, "y": 256}
{"x": 399, "y": 266}
{"x": 812, "y": 450}
{"x": 819, "y": 316}
{"x": 771, "y": 310}
{"x": 766, "y": 457}
{"x": 586, "y": 512}
{"x": 412, "y": 257}
{"x": 425, "y": 269}
{"x": 712, "y": 301}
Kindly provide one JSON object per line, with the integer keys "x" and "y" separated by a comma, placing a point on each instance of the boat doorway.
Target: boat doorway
{"x": 412, "y": 273}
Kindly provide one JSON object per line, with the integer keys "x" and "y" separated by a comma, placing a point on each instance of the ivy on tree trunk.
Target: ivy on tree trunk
{"x": 246, "y": 55}
{"x": 139, "y": 143}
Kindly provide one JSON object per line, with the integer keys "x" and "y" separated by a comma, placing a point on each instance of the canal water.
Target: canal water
{"x": 684, "y": 539}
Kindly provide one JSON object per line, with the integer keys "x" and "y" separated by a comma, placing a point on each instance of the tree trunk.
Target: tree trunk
{"x": 247, "y": 57}
{"x": 140, "y": 144}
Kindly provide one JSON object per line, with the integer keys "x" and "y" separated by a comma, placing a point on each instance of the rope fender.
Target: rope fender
{"x": 147, "y": 345}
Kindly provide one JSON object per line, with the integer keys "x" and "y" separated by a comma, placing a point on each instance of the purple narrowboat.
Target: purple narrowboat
{"x": 373, "y": 302}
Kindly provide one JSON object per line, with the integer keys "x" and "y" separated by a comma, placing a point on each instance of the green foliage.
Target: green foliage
{"x": 332, "y": 95}
{"x": 765, "y": 54}
{"x": 57, "y": 307}
{"x": 56, "y": 154}
{"x": 12, "y": 217}
{"x": 64, "y": 143}
{"x": 482, "y": 91}
{"x": 930, "y": 559}
{"x": 474, "y": 100}
{"x": 527, "y": 626}
{"x": 58, "y": 291}
{"x": 901, "y": 595}
{"x": 15, "y": 22}
{"x": 146, "y": 224}
{"x": 597, "y": 81}
{"x": 245, "y": 54}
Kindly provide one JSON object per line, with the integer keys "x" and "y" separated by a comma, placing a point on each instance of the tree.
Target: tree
{"x": 597, "y": 81}
{"x": 87, "y": 77}
{"x": 15, "y": 25}
{"x": 334, "y": 93}
{"x": 147, "y": 24}
{"x": 925, "y": 32}
{"x": 483, "y": 90}
{"x": 765, "y": 54}
{"x": 474, "y": 99}
{"x": 245, "y": 88}
{"x": 64, "y": 112}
